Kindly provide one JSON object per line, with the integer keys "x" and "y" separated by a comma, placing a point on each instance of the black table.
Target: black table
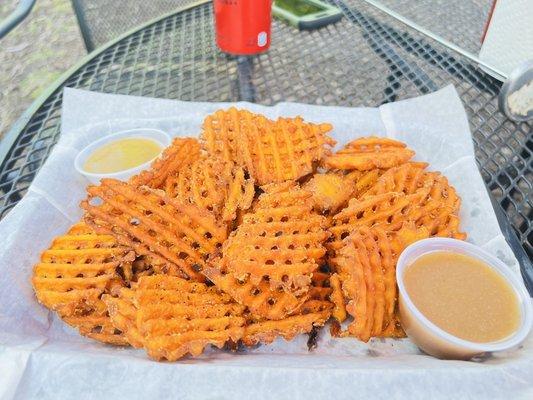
{"x": 366, "y": 59}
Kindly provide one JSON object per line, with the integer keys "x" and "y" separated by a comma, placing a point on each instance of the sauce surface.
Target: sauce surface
{"x": 463, "y": 296}
{"x": 121, "y": 155}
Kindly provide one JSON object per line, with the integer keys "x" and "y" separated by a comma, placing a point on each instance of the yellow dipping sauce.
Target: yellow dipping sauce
{"x": 121, "y": 155}
{"x": 463, "y": 296}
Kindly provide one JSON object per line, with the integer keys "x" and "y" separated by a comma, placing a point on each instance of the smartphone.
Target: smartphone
{"x": 306, "y": 14}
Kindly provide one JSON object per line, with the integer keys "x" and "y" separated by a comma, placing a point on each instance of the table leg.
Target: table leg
{"x": 245, "y": 69}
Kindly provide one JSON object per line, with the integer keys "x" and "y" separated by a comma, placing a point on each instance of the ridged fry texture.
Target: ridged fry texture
{"x": 213, "y": 184}
{"x": 75, "y": 272}
{"x": 270, "y": 151}
{"x": 179, "y": 236}
{"x": 368, "y": 153}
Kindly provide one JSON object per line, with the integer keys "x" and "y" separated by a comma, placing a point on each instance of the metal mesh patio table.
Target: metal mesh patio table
{"x": 366, "y": 59}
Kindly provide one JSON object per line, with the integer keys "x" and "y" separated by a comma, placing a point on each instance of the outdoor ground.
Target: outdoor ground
{"x": 33, "y": 55}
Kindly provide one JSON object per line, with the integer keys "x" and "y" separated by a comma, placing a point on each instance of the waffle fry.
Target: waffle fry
{"x": 389, "y": 211}
{"x": 363, "y": 180}
{"x": 260, "y": 300}
{"x": 270, "y": 151}
{"x": 331, "y": 191}
{"x": 364, "y": 284}
{"x": 319, "y": 296}
{"x": 439, "y": 210}
{"x": 267, "y": 331}
{"x": 434, "y": 205}
{"x": 366, "y": 270}
{"x": 394, "y": 330}
{"x": 178, "y": 317}
{"x": 181, "y": 237}
{"x": 180, "y": 153}
{"x": 337, "y": 298}
{"x": 73, "y": 274}
{"x": 406, "y": 178}
{"x": 313, "y": 313}
{"x": 214, "y": 185}
{"x": 281, "y": 239}
{"x": 123, "y": 315}
{"x": 369, "y": 153}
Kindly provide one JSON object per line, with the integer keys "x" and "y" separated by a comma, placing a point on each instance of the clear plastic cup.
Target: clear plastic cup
{"x": 434, "y": 340}
{"x": 144, "y": 133}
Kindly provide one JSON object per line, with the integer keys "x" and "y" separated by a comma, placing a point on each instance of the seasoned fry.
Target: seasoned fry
{"x": 178, "y": 235}
{"x": 313, "y": 313}
{"x": 267, "y": 331}
{"x": 366, "y": 270}
{"x": 430, "y": 202}
{"x": 388, "y": 211}
{"x": 75, "y": 272}
{"x": 394, "y": 329}
{"x": 123, "y": 315}
{"x": 319, "y": 296}
{"x": 406, "y": 178}
{"x": 368, "y": 153}
{"x": 177, "y": 317}
{"x": 439, "y": 210}
{"x": 213, "y": 184}
{"x": 271, "y": 151}
{"x": 364, "y": 180}
{"x": 260, "y": 299}
{"x": 180, "y": 153}
{"x": 337, "y": 298}
{"x": 281, "y": 240}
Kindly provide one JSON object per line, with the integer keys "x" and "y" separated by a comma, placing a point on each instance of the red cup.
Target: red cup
{"x": 243, "y": 26}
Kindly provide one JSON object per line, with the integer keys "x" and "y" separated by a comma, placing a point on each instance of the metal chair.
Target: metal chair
{"x": 16, "y": 17}
{"x": 103, "y": 20}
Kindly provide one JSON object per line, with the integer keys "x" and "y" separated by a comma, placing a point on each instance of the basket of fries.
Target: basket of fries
{"x": 253, "y": 231}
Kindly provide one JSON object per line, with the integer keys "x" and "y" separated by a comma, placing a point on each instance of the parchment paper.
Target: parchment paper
{"x": 40, "y": 357}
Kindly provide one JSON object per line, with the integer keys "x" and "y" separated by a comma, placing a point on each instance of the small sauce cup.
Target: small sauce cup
{"x": 434, "y": 340}
{"x": 160, "y": 137}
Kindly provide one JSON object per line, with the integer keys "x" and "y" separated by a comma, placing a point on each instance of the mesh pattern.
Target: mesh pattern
{"x": 461, "y": 22}
{"x": 366, "y": 59}
{"x": 103, "y": 20}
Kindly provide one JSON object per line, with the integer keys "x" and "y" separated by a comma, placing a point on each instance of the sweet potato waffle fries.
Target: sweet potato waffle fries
{"x": 255, "y": 231}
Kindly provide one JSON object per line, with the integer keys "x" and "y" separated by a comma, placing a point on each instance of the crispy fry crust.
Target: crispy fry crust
{"x": 271, "y": 151}
{"x": 281, "y": 239}
{"x": 266, "y": 331}
{"x": 269, "y": 260}
{"x": 407, "y": 179}
{"x": 362, "y": 266}
{"x": 123, "y": 314}
{"x": 394, "y": 329}
{"x": 180, "y": 153}
{"x": 214, "y": 185}
{"x": 313, "y": 313}
{"x": 74, "y": 273}
{"x": 427, "y": 201}
{"x": 337, "y": 298}
{"x": 260, "y": 299}
{"x": 369, "y": 153}
{"x": 178, "y": 235}
{"x": 366, "y": 270}
{"x": 177, "y": 317}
